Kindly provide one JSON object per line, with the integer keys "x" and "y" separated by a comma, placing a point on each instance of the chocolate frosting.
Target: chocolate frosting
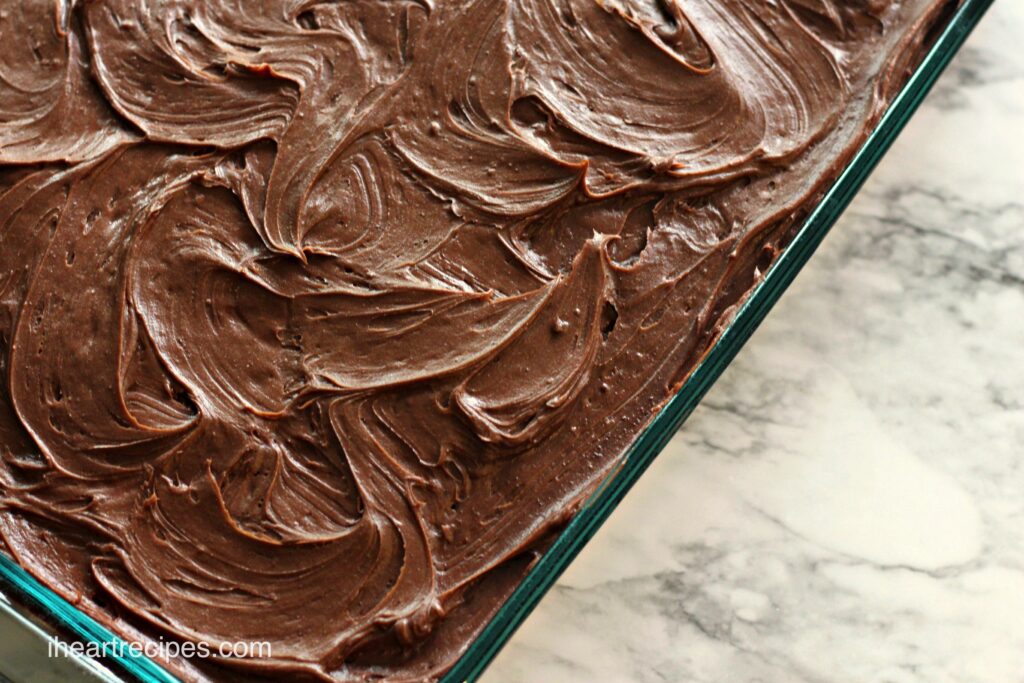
{"x": 320, "y": 319}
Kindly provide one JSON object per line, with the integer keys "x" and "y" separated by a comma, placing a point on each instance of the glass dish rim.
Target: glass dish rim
{"x": 17, "y": 585}
{"x": 752, "y": 311}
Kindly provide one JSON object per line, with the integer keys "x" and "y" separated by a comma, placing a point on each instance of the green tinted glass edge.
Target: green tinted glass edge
{"x": 18, "y": 584}
{"x": 654, "y": 438}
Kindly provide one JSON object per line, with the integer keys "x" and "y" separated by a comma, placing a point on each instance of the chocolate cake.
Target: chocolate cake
{"x": 318, "y": 320}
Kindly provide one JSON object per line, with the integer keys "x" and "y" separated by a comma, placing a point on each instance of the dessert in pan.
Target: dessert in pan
{"x": 320, "y": 319}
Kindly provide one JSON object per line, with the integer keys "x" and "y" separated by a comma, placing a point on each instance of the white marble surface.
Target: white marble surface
{"x": 847, "y": 505}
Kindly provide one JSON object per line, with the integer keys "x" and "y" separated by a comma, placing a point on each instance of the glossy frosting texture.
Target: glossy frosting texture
{"x": 319, "y": 319}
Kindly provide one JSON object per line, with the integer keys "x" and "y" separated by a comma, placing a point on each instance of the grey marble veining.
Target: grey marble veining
{"x": 847, "y": 505}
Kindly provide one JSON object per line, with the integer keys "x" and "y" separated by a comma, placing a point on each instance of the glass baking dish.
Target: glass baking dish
{"x": 31, "y": 614}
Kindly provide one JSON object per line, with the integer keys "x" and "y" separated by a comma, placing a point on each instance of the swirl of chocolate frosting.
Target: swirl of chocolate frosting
{"x": 320, "y": 319}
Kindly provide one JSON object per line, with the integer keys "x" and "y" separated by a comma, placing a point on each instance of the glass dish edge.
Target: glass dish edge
{"x": 18, "y": 586}
{"x": 751, "y": 313}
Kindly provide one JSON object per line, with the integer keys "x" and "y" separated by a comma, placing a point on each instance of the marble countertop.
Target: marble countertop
{"x": 847, "y": 504}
